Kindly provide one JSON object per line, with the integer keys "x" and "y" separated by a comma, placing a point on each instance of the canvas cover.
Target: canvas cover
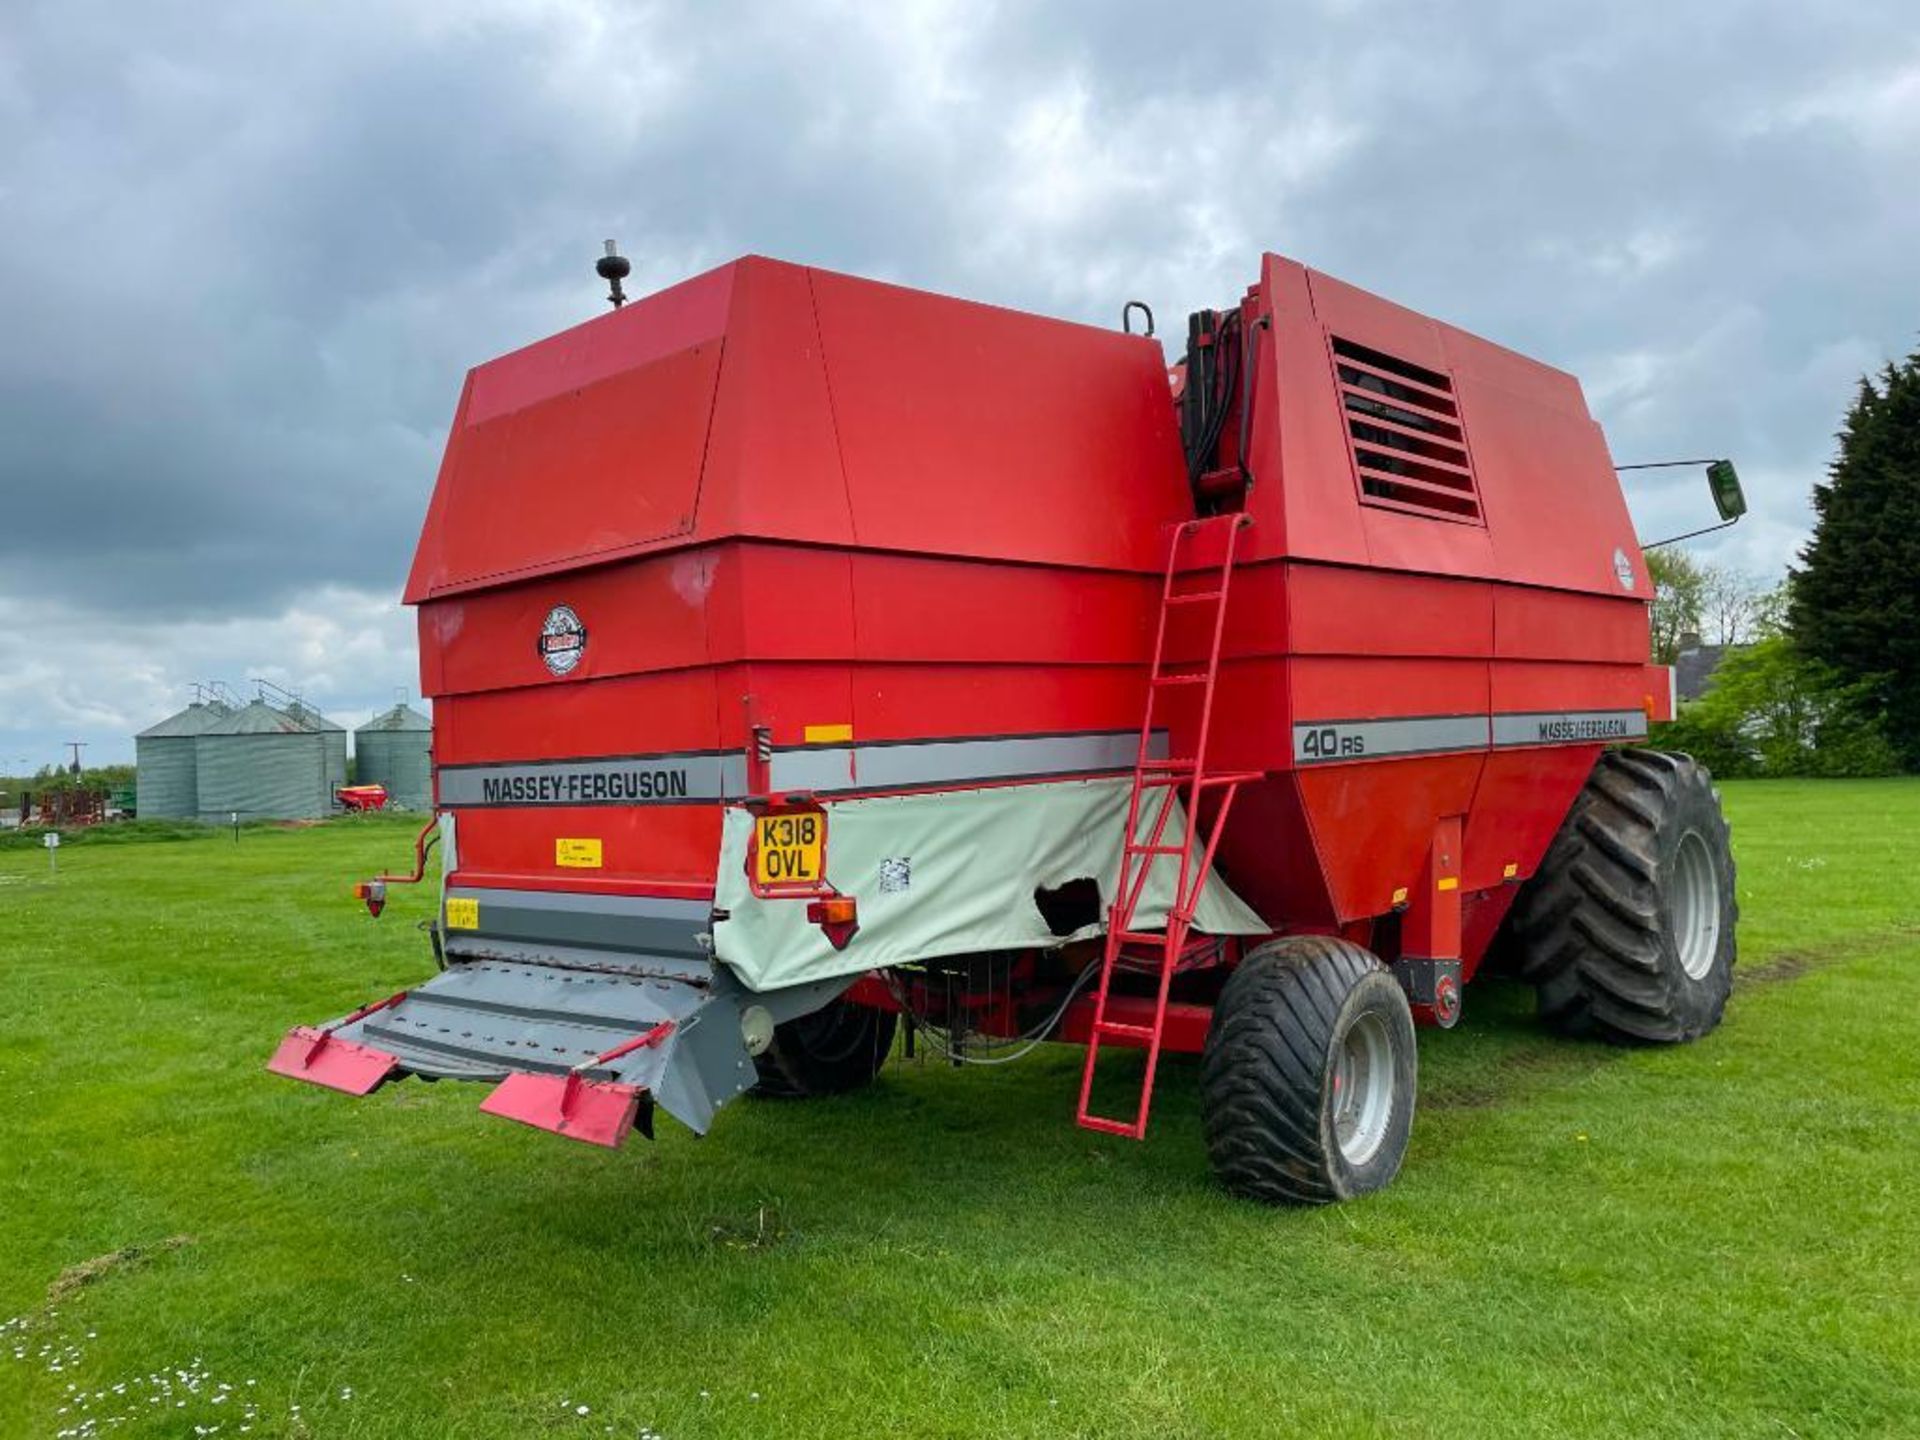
{"x": 950, "y": 873}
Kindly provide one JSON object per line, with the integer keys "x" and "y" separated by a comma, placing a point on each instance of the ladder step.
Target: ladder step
{"x": 1165, "y": 952}
{"x": 1206, "y": 782}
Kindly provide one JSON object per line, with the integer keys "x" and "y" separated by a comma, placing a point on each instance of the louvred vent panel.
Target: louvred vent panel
{"x": 1403, "y": 427}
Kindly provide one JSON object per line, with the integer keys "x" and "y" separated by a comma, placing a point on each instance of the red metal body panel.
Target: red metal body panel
{"x": 848, "y": 513}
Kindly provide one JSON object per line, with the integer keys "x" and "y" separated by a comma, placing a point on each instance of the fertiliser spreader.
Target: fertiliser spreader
{"x": 811, "y": 656}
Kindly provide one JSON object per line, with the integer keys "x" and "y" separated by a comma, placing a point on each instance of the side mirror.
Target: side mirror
{"x": 1728, "y": 498}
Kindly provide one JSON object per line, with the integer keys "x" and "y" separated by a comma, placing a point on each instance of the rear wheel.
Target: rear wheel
{"x": 837, "y": 1048}
{"x": 1307, "y": 1083}
{"x": 1627, "y": 930}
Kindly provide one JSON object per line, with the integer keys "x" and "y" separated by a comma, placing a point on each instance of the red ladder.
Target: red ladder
{"x": 1169, "y": 777}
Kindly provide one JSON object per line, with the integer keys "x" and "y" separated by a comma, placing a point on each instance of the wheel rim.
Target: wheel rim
{"x": 1362, "y": 1089}
{"x": 1696, "y": 906}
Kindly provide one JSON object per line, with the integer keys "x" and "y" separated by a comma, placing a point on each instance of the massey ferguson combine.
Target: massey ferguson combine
{"x": 814, "y": 659}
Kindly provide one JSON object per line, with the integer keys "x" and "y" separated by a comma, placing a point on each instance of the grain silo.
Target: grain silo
{"x": 163, "y": 756}
{"x": 395, "y": 749}
{"x": 333, "y": 742}
{"x": 266, "y": 762}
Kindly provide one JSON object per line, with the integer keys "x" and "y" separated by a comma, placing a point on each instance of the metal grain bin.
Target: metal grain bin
{"x": 395, "y": 749}
{"x": 166, "y": 776}
{"x": 265, "y": 762}
{"x": 333, "y": 742}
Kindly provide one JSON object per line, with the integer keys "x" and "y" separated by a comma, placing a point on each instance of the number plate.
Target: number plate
{"x": 790, "y": 849}
{"x": 463, "y": 914}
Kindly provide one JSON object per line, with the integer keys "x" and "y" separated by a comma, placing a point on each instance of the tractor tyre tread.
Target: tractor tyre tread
{"x": 830, "y": 1051}
{"x": 1592, "y": 930}
{"x": 1265, "y": 1074}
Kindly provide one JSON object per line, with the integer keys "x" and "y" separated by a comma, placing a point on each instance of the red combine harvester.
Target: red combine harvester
{"x": 808, "y": 652}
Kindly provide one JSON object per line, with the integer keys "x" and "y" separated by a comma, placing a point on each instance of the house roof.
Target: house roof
{"x": 1693, "y": 669}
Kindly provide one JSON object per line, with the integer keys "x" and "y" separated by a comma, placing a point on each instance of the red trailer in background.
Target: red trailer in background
{"x": 808, "y": 652}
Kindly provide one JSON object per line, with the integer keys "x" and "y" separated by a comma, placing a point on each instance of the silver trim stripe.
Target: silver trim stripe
{"x": 711, "y": 775}
{"x": 625, "y": 907}
{"x": 631, "y": 780}
{"x": 835, "y": 769}
{"x": 1330, "y": 741}
{"x": 1315, "y": 743}
{"x": 1569, "y": 727}
{"x": 647, "y": 924}
{"x": 889, "y": 767}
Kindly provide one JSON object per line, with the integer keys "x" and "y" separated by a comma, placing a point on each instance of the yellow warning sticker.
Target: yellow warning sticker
{"x": 462, "y": 914}
{"x": 1450, "y": 882}
{"x": 828, "y": 734}
{"x": 577, "y": 854}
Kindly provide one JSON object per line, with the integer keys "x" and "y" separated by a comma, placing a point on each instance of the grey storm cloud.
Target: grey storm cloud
{"x": 247, "y": 252}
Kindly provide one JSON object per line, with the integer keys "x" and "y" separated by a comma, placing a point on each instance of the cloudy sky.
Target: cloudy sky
{"x": 247, "y": 251}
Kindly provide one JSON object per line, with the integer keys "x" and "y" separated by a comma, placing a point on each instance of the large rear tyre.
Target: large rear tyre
{"x": 1307, "y": 1082}
{"x": 837, "y": 1048}
{"x": 1626, "y": 931}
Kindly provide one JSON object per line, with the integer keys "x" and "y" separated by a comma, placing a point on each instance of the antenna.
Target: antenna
{"x": 613, "y": 267}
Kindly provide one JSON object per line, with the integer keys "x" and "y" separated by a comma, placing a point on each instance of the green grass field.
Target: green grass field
{"x": 1717, "y": 1240}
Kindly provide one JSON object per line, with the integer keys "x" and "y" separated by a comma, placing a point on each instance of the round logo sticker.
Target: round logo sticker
{"x": 1622, "y": 567}
{"x": 563, "y": 640}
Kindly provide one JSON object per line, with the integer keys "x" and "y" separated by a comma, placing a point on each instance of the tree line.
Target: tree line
{"x": 1824, "y": 676}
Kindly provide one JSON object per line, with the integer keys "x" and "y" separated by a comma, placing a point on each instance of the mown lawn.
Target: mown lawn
{"x": 1719, "y": 1240}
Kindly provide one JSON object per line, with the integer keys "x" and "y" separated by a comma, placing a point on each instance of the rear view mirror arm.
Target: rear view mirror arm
{"x": 1690, "y": 535}
{"x": 1727, "y": 496}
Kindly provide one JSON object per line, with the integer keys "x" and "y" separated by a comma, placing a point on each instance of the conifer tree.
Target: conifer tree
{"x": 1855, "y": 602}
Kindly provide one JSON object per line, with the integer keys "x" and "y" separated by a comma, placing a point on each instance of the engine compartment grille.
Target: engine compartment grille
{"x": 1405, "y": 434}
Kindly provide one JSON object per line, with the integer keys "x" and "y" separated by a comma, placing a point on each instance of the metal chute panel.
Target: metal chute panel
{"x": 614, "y": 993}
